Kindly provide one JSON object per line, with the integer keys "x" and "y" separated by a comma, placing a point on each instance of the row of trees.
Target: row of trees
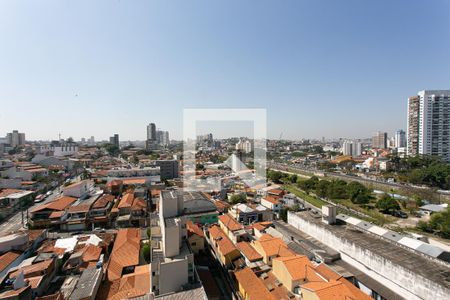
{"x": 337, "y": 189}
{"x": 427, "y": 170}
{"x": 438, "y": 224}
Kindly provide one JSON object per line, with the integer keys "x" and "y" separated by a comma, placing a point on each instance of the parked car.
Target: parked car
{"x": 400, "y": 214}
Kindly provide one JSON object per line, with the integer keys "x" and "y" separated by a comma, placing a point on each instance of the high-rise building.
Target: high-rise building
{"x": 429, "y": 123}
{"x": 379, "y": 140}
{"x": 244, "y": 145}
{"x": 15, "y": 138}
{"x": 352, "y": 148}
{"x": 114, "y": 140}
{"x": 162, "y": 137}
{"x": 400, "y": 139}
{"x": 151, "y": 132}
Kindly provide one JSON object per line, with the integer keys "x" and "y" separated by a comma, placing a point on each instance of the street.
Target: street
{"x": 14, "y": 223}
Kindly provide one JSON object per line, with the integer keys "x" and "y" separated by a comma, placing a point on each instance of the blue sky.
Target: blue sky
{"x": 320, "y": 68}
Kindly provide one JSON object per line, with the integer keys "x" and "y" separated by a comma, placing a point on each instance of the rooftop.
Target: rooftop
{"x": 408, "y": 259}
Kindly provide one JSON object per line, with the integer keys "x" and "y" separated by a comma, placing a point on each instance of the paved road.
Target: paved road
{"x": 14, "y": 223}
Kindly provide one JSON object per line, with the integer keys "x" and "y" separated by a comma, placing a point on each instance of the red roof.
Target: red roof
{"x": 193, "y": 229}
{"x": 58, "y": 204}
{"x": 7, "y": 259}
{"x": 230, "y": 223}
{"x": 125, "y": 252}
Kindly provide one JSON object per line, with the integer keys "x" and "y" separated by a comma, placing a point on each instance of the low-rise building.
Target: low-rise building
{"x": 224, "y": 248}
{"x": 79, "y": 189}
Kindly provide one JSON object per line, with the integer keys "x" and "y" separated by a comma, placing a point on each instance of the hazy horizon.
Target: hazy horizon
{"x": 320, "y": 68}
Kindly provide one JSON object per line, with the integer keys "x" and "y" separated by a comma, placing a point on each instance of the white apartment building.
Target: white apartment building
{"x": 429, "y": 123}
{"x": 172, "y": 261}
{"x": 352, "y": 148}
{"x": 244, "y": 145}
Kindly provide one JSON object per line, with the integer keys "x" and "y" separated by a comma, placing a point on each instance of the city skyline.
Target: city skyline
{"x": 126, "y": 60}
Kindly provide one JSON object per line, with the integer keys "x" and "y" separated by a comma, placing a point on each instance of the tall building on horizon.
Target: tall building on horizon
{"x": 15, "y": 138}
{"x": 114, "y": 140}
{"x": 400, "y": 139}
{"x": 428, "y": 131}
{"x": 352, "y": 148}
{"x": 379, "y": 140}
{"x": 151, "y": 132}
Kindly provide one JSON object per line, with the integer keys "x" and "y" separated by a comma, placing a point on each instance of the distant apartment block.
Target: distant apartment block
{"x": 114, "y": 140}
{"x": 429, "y": 124}
{"x": 15, "y": 138}
{"x": 352, "y": 148}
{"x": 168, "y": 169}
{"x": 380, "y": 140}
{"x": 400, "y": 139}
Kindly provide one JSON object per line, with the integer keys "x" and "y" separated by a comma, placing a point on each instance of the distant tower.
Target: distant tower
{"x": 151, "y": 132}
{"x": 429, "y": 124}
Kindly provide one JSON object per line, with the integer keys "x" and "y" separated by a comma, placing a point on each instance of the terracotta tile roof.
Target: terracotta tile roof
{"x": 221, "y": 205}
{"x": 249, "y": 251}
{"x": 91, "y": 253}
{"x": 138, "y": 204}
{"x": 193, "y": 229}
{"x": 272, "y": 199}
{"x": 7, "y": 192}
{"x": 326, "y": 272}
{"x": 358, "y": 294}
{"x": 261, "y": 225}
{"x": 334, "y": 290}
{"x": 7, "y": 259}
{"x": 58, "y": 204}
{"x": 78, "y": 208}
{"x": 103, "y": 201}
{"x": 273, "y": 246}
{"x": 225, "y": 245}
{"x": 56, "y": 214}
{"x": 297, "y": 266}
{"x": 278, "y": 192}
{"x": 125, "y": 252}
{"x": 252, "y": 285}
{"x": 135, "y": 284}
{"x": 34, "y": 234}
{"x": 134, "y": 181}
{"x": 75, "y": 184}
{"x": 31, "y": 269}
{"x": 126, "y": 201}
{"x": 230, "y": 223}
{"x": 35, "y": 281}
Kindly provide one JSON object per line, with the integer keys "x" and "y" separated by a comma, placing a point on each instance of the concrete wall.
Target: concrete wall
{"x": 172, "y": 276}
{"x": 404, "y": 282}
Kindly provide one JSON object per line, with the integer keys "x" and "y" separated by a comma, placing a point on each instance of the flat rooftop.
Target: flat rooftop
{"x": 408, "y": 259}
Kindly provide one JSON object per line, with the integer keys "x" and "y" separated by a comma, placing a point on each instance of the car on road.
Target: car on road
{"x": 39, "y": 198}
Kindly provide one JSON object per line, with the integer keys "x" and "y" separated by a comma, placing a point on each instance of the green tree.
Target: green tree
{"x": 358, "y": 193}
{"x": 438, "y": 224}
{"x": 386, "y": 204}
{"x": 293, "y": 178}
{"x": 238, "y": 198}
{"x": 145, "y": 252}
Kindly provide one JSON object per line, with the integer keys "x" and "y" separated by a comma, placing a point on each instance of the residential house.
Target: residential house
{"x": 232, "y": 228}
{"x": 271, "y": 247}
{"x": 271, "y": 203}
{"x": 196, "y": 237}
{"x": 79, "y": 189}
{"x": 49, "y": 214}
{"x": 224, "y": 248}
